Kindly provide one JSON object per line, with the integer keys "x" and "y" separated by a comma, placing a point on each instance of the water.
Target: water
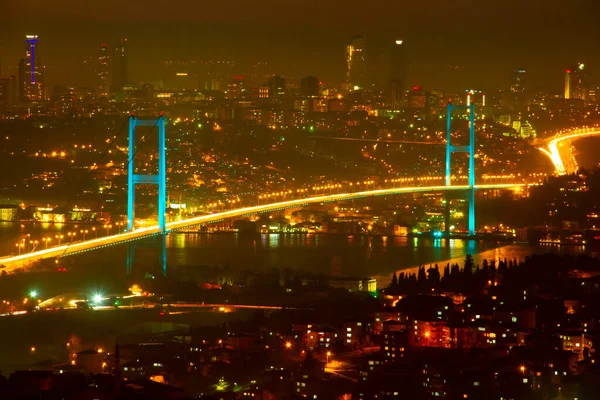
{"x": 337, "y": 255}
{"x": 187, "y": 254}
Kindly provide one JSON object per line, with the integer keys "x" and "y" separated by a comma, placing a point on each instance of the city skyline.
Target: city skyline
{"x": 544, "y": 41}
{"x": 300, "y": 200}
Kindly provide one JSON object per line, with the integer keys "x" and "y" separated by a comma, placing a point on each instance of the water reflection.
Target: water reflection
{"x": 332, "y": 254}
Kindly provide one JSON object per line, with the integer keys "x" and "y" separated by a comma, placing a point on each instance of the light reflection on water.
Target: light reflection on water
{"x": 357, "y": 256}
{"x": 353, "y": 255}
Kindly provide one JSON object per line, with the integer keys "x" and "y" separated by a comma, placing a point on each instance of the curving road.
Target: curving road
{"x": 555, "y": 147}
{"x": 10, "y": 263}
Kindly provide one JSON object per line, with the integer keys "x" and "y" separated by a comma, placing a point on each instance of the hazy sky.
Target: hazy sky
{"x": 485, "y": 39}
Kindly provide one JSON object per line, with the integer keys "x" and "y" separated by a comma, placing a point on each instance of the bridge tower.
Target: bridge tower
{"x": 461, "y": 149}
{"x": 159, "y": 179}
{"x": 136, "y": 179}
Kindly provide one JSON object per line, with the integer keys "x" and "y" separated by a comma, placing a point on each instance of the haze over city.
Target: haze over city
{"x": 451, "y": 44}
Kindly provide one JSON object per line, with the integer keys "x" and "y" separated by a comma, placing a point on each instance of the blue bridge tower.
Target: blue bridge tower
{"x": 462, "y": 149}
{"x": 159, "y": 179}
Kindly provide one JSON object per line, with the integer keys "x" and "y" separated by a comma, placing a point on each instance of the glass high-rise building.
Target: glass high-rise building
{"x": 103, "y": 86}
{"x": 576, "y": 86}
{"x": 119, "y": 67}
{"x": 518, "y": 81}
{"x": 356, "y": 73}
{"x": 397, "y": 74}
{"x": 33, "y": 82}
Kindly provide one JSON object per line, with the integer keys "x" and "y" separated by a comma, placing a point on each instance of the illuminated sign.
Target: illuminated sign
{"x": 177, "y": 206}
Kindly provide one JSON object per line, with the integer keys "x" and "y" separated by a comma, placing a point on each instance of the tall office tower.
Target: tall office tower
{"x": 276, "y": 88}
{"x": 518, "y": 81}
{"x": 33, "y": 84}
{"x": 356, "y": 73}
{"x": 576, "y": 83}
{"x": 309, "y": 86}
{"x": 8, "y": 92}
{"x": 21, "y": 81}
{"x": 119, "y": 67}
{"x": 397, "y": 74}
{"x": 103, "y": 71}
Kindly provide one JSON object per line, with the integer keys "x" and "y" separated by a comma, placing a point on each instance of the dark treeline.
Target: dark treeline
{"x": 537, "y": 270}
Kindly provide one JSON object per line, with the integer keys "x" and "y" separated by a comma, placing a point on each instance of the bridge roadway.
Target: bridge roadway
{"x": 553, "y": 151}
{"x": 10, "y": 263}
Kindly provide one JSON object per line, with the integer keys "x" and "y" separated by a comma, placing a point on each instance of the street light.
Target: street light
{"x": 94, "y": 230}
{"x": 97, "y": 298}
{"x": 288, "y": 345}
{"x": 328, "y": 354}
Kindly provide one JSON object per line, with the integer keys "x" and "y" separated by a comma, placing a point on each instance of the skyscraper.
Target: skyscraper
{"x": 518, "y": 81}
{"x": 8, "y": 92}
{"x": 309, "y": 86}
{"x": 356, "y": 73}
{"x": 103, "y": 71}
{"x": 119, "y": 67}
{"x": 21, "y": 81}
{"x": 276, "y": 88}
{"x": 576, "y": 83}
{"x": 33, "y": 83}
{"x": 397, "y": 74}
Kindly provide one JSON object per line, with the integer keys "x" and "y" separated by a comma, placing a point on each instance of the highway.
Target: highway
{"x": 347, "y": 139}
{"x": 13, "y": 262}
{"x": 555, "y": 146}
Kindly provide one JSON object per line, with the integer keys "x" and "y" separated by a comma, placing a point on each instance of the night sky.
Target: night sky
{"x": 451, "y": 45}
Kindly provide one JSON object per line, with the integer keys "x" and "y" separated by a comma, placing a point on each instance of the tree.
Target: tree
{"x": 394, "y": 280}
{"x": 469, "y": 264}
{"x": 433, "y": 274}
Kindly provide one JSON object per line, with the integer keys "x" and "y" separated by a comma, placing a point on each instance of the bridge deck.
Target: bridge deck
{"x": 11, "y": 263}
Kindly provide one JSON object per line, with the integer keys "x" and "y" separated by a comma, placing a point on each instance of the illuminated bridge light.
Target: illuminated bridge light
{"x": 92, "y": 244}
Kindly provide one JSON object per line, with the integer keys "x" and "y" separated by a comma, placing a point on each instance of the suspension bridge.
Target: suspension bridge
{"x": 133, "y": 233}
